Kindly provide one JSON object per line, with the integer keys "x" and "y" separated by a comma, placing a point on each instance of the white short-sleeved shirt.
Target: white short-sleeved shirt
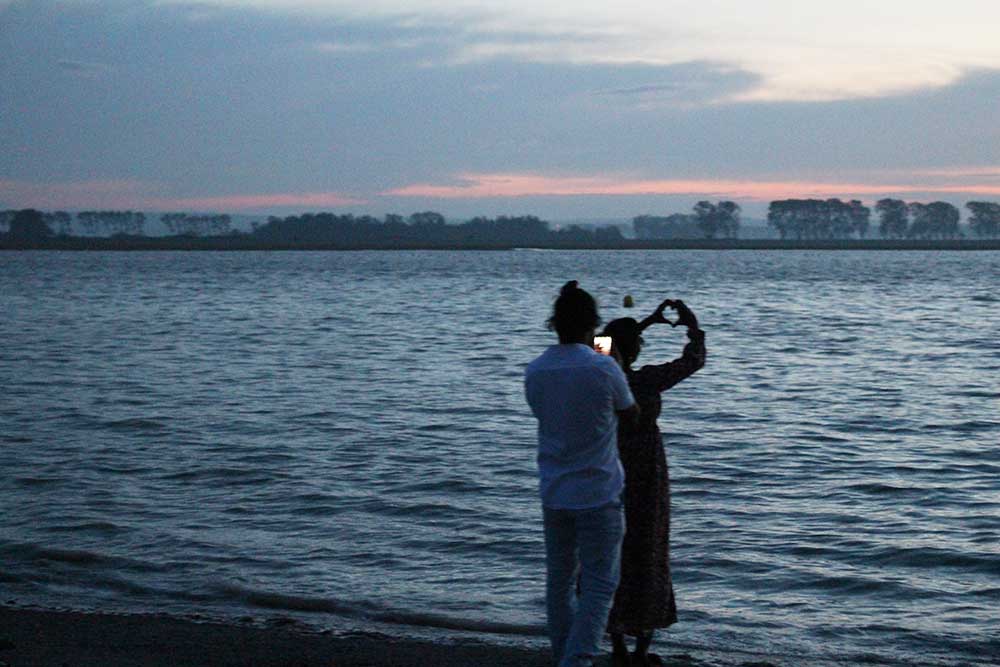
{"x": 574, "y": 392}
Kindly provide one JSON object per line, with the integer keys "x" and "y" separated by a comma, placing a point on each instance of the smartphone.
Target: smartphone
{"x": 602, "y": 344}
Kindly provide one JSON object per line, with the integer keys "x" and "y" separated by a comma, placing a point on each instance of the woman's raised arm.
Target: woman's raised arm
{"x": 665, "y": 376}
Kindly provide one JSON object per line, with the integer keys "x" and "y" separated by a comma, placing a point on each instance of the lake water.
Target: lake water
{"x": 342, "y": 438}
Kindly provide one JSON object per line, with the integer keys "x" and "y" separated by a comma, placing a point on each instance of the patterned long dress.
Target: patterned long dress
{"x": 645, "y": 597}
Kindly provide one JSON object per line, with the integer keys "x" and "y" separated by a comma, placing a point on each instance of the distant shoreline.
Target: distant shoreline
{"x": 244, "y": 243}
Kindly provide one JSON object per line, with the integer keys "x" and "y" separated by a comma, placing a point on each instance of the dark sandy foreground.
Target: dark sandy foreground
{"x": 31, "y": 638}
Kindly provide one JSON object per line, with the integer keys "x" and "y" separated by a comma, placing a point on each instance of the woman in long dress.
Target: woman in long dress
{"x": 644, "y": 601}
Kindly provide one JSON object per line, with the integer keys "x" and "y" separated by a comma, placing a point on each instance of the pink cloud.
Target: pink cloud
{"x": 138, "y": 195}
{"x": 959, "y": 172}
{"x": 479, "y": 186}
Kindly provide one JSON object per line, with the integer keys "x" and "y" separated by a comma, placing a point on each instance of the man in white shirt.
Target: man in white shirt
{"x": 577, "y": 395}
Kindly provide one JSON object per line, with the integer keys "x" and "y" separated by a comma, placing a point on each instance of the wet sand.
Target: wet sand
{"x": 30, "y": 638}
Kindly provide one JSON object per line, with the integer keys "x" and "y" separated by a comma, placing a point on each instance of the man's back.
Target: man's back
{"x": 574, "y": 393}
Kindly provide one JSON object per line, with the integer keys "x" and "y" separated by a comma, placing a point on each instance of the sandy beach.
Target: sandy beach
{"x": 31, "y": 638}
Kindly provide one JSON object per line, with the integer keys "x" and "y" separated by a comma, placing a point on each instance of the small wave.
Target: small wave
{"x": 846, "y": 584}
{"x": 929, "y": 557}
{"x": 134, "y": 424}
{"x": 37, "y": 481}
{"x": 835, "y": 352}
{"x": 971, "y": 426}
{"x": 425, "y": 510}
{"x": 487, "y": 358}
{"x": 682, "y": 481}
{"x": 975, "y": 393}
{"x": 445, "y": 486}
{"x": 121, "y": 469}
{"x": 729, "y": 417}
{"x": 321, "y": 510}
{"x": 893, "y": 426}
{"x": 435, "y": 427}
{"x": 322, "y": 414}
{"x": 373, "y": 612}
{"x": 271, "y": 457}
{"x": 77, "y": 557}
{"x": 991, "y": 593}
{"x": 105, "y": 527}
{"x": 881, "y": 488}
{"x": 218, "y": 472}
{"x": 466, "y": 410}
{"x": 74, "y": 556}
{"x": 821, "y": 437}
{"x": 984, "y": 298}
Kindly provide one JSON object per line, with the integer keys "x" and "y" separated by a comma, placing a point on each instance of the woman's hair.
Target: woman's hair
{"x": 626, "y": 337}
{"x": 574, "y": 312}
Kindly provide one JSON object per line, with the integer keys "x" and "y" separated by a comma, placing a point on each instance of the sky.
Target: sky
{"x": 581, "y": 110}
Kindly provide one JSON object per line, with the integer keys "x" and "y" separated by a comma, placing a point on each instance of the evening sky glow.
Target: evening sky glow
{"x": 581, "y": 109}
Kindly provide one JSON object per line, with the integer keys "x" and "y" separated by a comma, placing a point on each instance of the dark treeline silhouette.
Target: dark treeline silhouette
{"x": 57, "y": 222}
{"x": 60, "y": 222}
{"x": 835, "y": 219}
{"x": 722, "y": 219}
{"x": 427, "y": 228}
{"x": 985, "y": 218}
{"x": 27, "y": 226}
{"x": 816, "y": 222}
{"x": 674, "y": 226}
{"x": 819, "y": 218}
{"x": 182, "y": 224}
{"x": 708, "y": 220}
{"x": 325, "y": 229}
{"x": 112, "y": 223}
{"x": 937, "y": 220}
{"x": 127, "y": 223}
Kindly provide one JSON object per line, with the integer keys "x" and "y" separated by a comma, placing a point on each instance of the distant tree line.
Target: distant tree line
{"x": 794, "y": 219}
{"x": 985, "y": 218}
{"x": 113, "y": 223}
{"x": 720, "y": 220}
{"x": 899, "y": 220}
{"x": 819, "y": 218}
{"x": 126, "y": 223}
{"x": 182, "y": 224}
{"x": 673, "y": 226}
{"x": 58, "y": 222}
{"x": 836, "y": 219}
{"x": 27, "y": 225}
{"x": 426, "y": 227}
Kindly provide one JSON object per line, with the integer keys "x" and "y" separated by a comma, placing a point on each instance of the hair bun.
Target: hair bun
{"x": 574, "y": 312}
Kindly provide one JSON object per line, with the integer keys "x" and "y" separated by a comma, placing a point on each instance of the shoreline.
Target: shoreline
{"x": 248, "y": 243}
{"x": 42, "y": 638}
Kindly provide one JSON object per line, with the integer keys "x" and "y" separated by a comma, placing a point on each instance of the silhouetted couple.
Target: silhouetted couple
{"x": 603, "y": 478}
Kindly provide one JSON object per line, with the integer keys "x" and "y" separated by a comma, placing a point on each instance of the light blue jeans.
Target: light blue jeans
{"x": 587, "y": 543}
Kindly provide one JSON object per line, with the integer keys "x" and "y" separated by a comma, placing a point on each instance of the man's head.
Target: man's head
{"x": 574, "y": 315}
